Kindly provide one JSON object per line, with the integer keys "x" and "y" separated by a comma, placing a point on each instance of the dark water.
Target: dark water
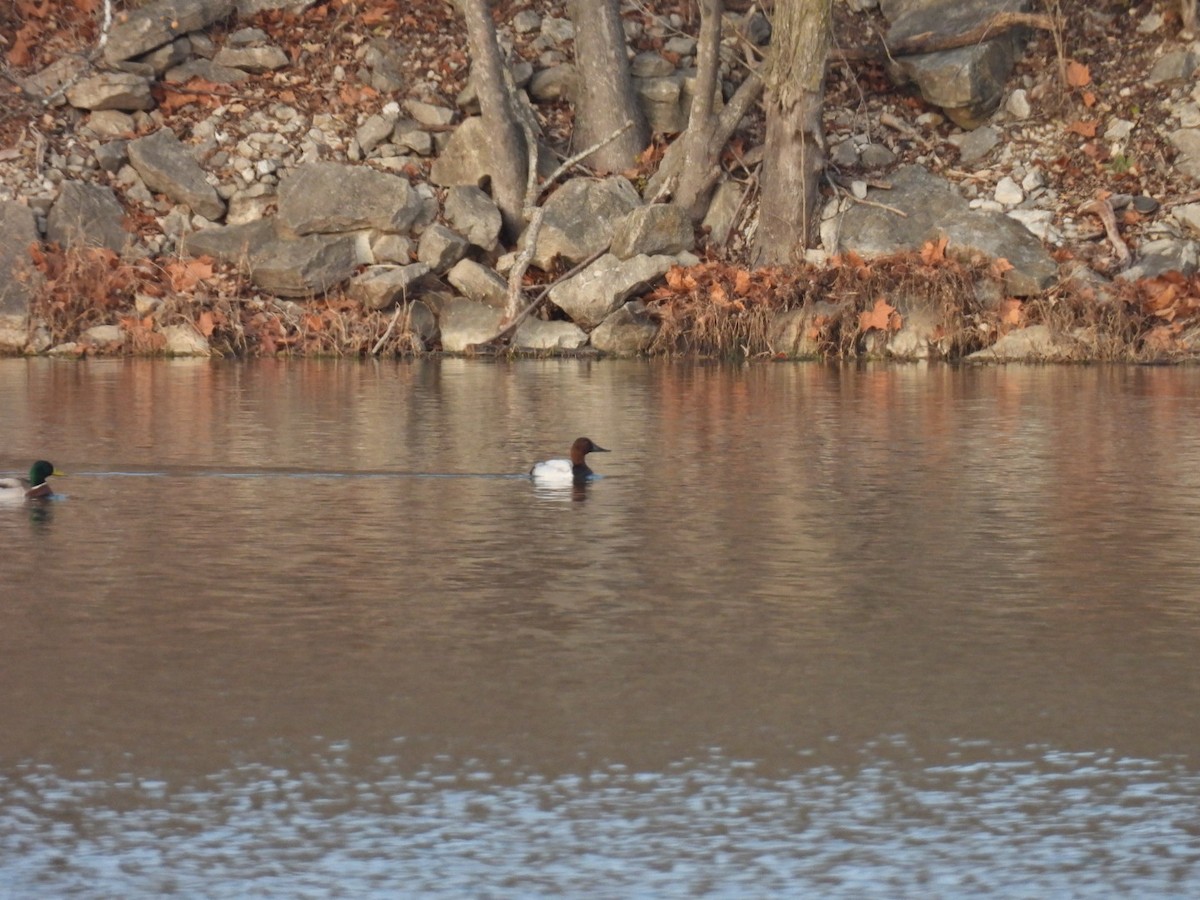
{"x": 298, "y": 630}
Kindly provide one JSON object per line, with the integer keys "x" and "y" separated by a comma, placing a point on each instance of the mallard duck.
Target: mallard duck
{"x": 17, "y": 490}
{"x": 567, "y": 471}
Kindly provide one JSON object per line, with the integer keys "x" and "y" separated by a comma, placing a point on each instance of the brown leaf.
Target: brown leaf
{"x": 1083, "y": 128}
{"x": 205, "y": 324}
{"x": 882, "y": 316}
{"x": 1089, "y": 99}
{"x": 932, "y": 254}
{"x": 1078, "y": 74}
{"x": 1012, "y": 311}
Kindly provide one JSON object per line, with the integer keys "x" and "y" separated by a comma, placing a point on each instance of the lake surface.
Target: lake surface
{"x": 302, "y": 630}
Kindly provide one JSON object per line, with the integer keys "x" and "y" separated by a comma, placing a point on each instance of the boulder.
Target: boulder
{"x": 159, "y": 22}
{"x": 252, "y": 59}
{"x": 580, "y": 219}
{"x": 464, "y": 322}
{"x": 658, "y": 228}
{"x": 230, "y": 243}
{"x": 328, "y": 197}
{"x": 87, "y": 214}
{"x": 479, "y": 283}
{"x": 795, "y": 333}
{"x": 440, "y": 248}
{"x": 536, "y": 334}
{"x": 589, "y": 296}
{"x": 968, "y": 82}
{"x": 165, "y": 165}
{"x": 474, "y": 215}
{"x": 1036, "y": 343}
{"x": 111, "y": 90}
{"x": 381, "y": 288}
{"x": 305, "y": 266}
{"x": 18, "y": 234}
{"x": 185, "y": 340}
{"x": 934, "y": 209}
{"x": 627, "y": 331}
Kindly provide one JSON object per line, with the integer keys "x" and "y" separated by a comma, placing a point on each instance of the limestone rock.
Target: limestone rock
{"x": 659, "y": 228}
{"x": 231, "y": 243}
{"x": 1036, "y": 343}
{"x": 87, "y": 215}
{"x": 935, "y": 209}
{"x": 252, "y": 59}
{"x": 592, "y": 294}
{"x": 479, "y": 283}
{"x": 305, "y": 266}
{"x": 18, "y": 233}
{"x": 440, "y": 248}
{"x": 627, "y": 331}
{"x": 161, "y": 21}
{"x": 474, "y": 215}
{"x": 536, "y": 334}
{"x": 381, "y": 288}
{"x": 795, "y": 333}
{"x": 111, "y": 90}
{"x": 580, "y": 218}
{"x": 464, "y": 322}
{"x": 166, "y": 166}
{"x": 329, "y": 197}
{"x": 184, "y": 340}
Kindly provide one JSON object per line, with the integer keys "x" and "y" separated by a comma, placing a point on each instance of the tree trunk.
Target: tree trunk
{"x": 605, "y": 100}
{"x": 795, "y": 149}
{"x": 496, "y": 105}
{"x": 691, "y": 166}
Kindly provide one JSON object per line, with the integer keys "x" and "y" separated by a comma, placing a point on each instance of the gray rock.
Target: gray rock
{"x": 1187, "y": 142}
{"x": 46, "y": 83}
{"x": 876, "y": 156}
{"x": 18, "y": 233}
{"x": 554, "y": 84}
{"x": 659, "y": 228}
{"x": 536, "y": 334}
{"x": 478, "y": 283}
{"x": 722, "y": 212}
{"x": 468, "y": 157}
{"x": 592, "y": 294}
{"x": 975, "y": 145}
{"x": 440, "y": 248}
{"x": 329, "y": 197}
{"x": 1164, "y": 255}
{"x": 248, "y": 206}
{"x": 418, "y": 319}
{"x": 968, "y": 83}
{"x": 167, "y": 56}
{"x": 87, "y": 215}
{"x": 252, "y": 59}
{"x": 794, "y": 332}
{"x": 207, "y": 70}
{"x": 526, "y": 21}
{"x": 1036, "y": 343}
{"x": 464, "y": 322}
{"x": 384, "y": 58}
{"x": 626, "y": 331}
{"x": 110, "y": 123}
{"x": 663, "y": 100}
{"x": 306, "y": 266}
{"x": 429, "y": 115}
{"x": 111, "y": 90}
{"x": 250, "y": 7}
{"x": 374, "y": 131}
{"x": 231, "y": 243}
{"x": 1186, "y": 214}
{"x": 934, "y": 208}
{"x": 649, "y": 64}
{"x": 158, "y": 22}
{"x": 102, "y": 334}
{"x": 1176, "y": 66}
{"x": 580, "y": 217}
{"x": 381, "y": 288}
{"x": 474, "y": 215}
{"x": 407, "y": 135}
{"x": 184, "y": 340}
{"x": 392, "y": 248}
{"x": 166, "y": 166}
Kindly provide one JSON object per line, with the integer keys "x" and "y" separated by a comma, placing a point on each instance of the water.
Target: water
{"x": 302, "y": 630}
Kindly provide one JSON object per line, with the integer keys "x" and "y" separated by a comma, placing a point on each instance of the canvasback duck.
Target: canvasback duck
{"x": 16, "y": 490}
{"x": 567, "y": 471}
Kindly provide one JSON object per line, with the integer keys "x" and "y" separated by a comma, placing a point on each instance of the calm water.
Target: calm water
{"x": 299, "y": 630}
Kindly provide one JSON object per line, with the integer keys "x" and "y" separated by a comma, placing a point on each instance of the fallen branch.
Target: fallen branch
{"x": 928, "y": 42}
{"x": 400, "y": 307}
{"x": 1103, "y": 209}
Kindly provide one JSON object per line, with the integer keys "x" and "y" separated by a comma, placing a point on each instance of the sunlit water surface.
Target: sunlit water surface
{"x": 303, "y": 630}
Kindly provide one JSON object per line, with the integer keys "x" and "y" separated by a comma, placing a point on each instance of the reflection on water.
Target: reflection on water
{"x": 305, "y": 629}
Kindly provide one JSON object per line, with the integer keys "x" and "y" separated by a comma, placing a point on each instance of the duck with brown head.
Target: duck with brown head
{"x": 568, "y": 471}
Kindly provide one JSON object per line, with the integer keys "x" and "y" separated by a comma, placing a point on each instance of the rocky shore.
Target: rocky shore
{"x": 249, "y": 177}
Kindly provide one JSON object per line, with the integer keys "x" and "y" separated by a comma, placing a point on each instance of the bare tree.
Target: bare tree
{"x": 691, "y": 167}
{"x": 497, "y": 103}
{"x": 605, "y": 99}
{"x": 795, "y": 149}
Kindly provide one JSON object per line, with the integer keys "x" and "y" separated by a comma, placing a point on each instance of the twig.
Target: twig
{"x": 400, "y": 307}
{"x": 1103, "y": 209}
{"x": 107, "y": 24}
